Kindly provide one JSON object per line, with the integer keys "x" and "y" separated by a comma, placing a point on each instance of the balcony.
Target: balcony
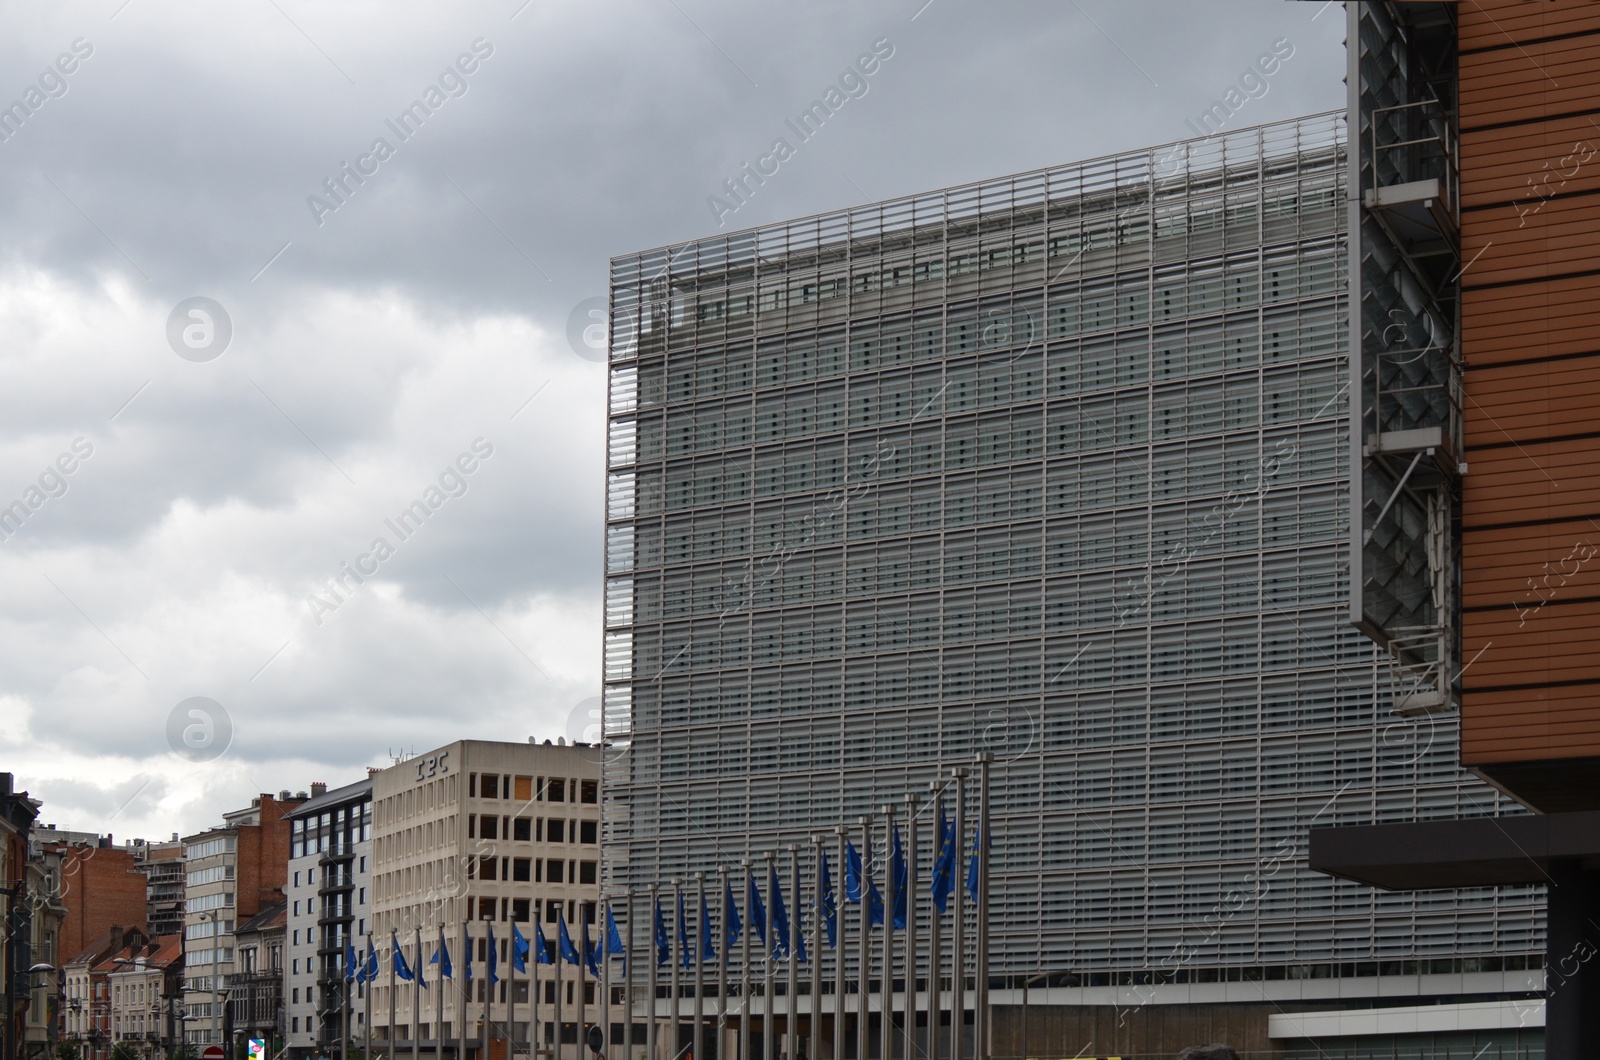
{"x": 334, "y": 882}
{"x": 336, "y": 853}
{"x": 244, "y": 980}
{"x": 1413, "y": 152}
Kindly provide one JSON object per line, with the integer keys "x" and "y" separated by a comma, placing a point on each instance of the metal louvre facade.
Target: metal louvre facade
{"x": 1053, "y": 466}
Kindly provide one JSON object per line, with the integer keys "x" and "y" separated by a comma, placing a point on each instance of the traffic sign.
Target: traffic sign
{"x": 213, "y": 1052}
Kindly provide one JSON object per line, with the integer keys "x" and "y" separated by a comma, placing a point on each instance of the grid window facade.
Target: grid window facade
{"x": 1052, "y": 466}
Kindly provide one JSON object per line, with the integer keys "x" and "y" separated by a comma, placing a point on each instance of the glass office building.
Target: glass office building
{"x": 1053, "y": 466}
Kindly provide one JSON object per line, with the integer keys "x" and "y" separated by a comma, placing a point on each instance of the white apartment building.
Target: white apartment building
{"x": 328, "y": 892}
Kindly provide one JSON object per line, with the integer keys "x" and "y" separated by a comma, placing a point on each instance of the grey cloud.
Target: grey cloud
{"x": 189, "y": 143}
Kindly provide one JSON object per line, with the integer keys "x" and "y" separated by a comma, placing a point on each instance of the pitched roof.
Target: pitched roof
{"x": 338, "y": 796}
{"x": 129, "y": 958}
{"x": 168, "y": 950}
{"x": 105, "y": 944}
{"x": 273, "y": 916}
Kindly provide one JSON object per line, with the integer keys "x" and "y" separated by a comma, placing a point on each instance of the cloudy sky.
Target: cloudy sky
{"x": 191, "y": 474}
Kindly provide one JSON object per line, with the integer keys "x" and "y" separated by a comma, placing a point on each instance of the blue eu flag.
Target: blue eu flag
{"x": 828, "y": 902}
{"x": 733, "y": 928}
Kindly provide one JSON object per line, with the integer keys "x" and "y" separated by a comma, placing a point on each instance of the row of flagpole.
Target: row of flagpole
{"x": 365, "y": 969}
{"x": 783, "y": 941}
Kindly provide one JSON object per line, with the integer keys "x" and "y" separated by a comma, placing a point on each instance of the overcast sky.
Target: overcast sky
{"x": 157, "y": 153}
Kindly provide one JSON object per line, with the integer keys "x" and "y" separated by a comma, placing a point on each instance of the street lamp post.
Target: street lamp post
{"x": 216, "y": 944}
{"x": 1026, "y": 983}
{"x": 183, "y": 1034}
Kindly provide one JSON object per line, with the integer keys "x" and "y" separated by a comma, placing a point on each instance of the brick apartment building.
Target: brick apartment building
{"x": 101, "y": 886}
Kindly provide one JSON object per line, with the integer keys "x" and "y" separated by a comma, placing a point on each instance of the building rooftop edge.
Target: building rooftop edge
{"x": 754, "y": 230}
{"x": 348, "y": 793}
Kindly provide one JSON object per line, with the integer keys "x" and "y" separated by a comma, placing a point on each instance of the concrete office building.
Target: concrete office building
{"x": 329, "y": 896}
{"x": 1052, "y": 466}
{"x": 495, "y": 834}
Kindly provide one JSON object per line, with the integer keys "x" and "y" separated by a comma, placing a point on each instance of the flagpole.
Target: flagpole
{"x": 815, "y": 1026}
{"x": 344, "y": 1004}
{"x": 699, "y": 968}
{"x": 559, "y": 959}
{"x": 768, "y": 1022}
{"x": 511, "y": 997}
{"x": 416, "y": 998}
{"x": 394, "y": 947}
{"x": 581, "y": 985}
{"x": 862, "y": 991}
{"x": 935, "y": 926}
{"x": 675, "y": 942}
{"x": 466, "y": 993}
{"x": 722, "y": 971}
{"x": 890, "y": 900}
{"x": 605, "y": 979}
{"x": 958, "y": 935}
{"x": 911, "y": 927}
{"x": 792, "y": 986}
{"x": 535, "y": 1031}
{"x": 744, "y": 968}
{"x": 653, "y": 975}
{"x": 839, "y": 952}
{"x": 627, "y": 985}
{"x": 344, "y": 1007}
{"x": 438, "y": 1002}
{"x": 981, "y": 1028}
{"x": 491, "y": 964}
{"x": 366, "y": 1012}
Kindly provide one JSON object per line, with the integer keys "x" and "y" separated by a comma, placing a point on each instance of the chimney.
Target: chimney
{"x": 318, "y": 789}
{"x": 174, "y": 837}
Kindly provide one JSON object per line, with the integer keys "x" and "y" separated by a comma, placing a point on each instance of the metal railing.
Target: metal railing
{"x": 1412, "y": 141}
{"x": 1418, "y": 388}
